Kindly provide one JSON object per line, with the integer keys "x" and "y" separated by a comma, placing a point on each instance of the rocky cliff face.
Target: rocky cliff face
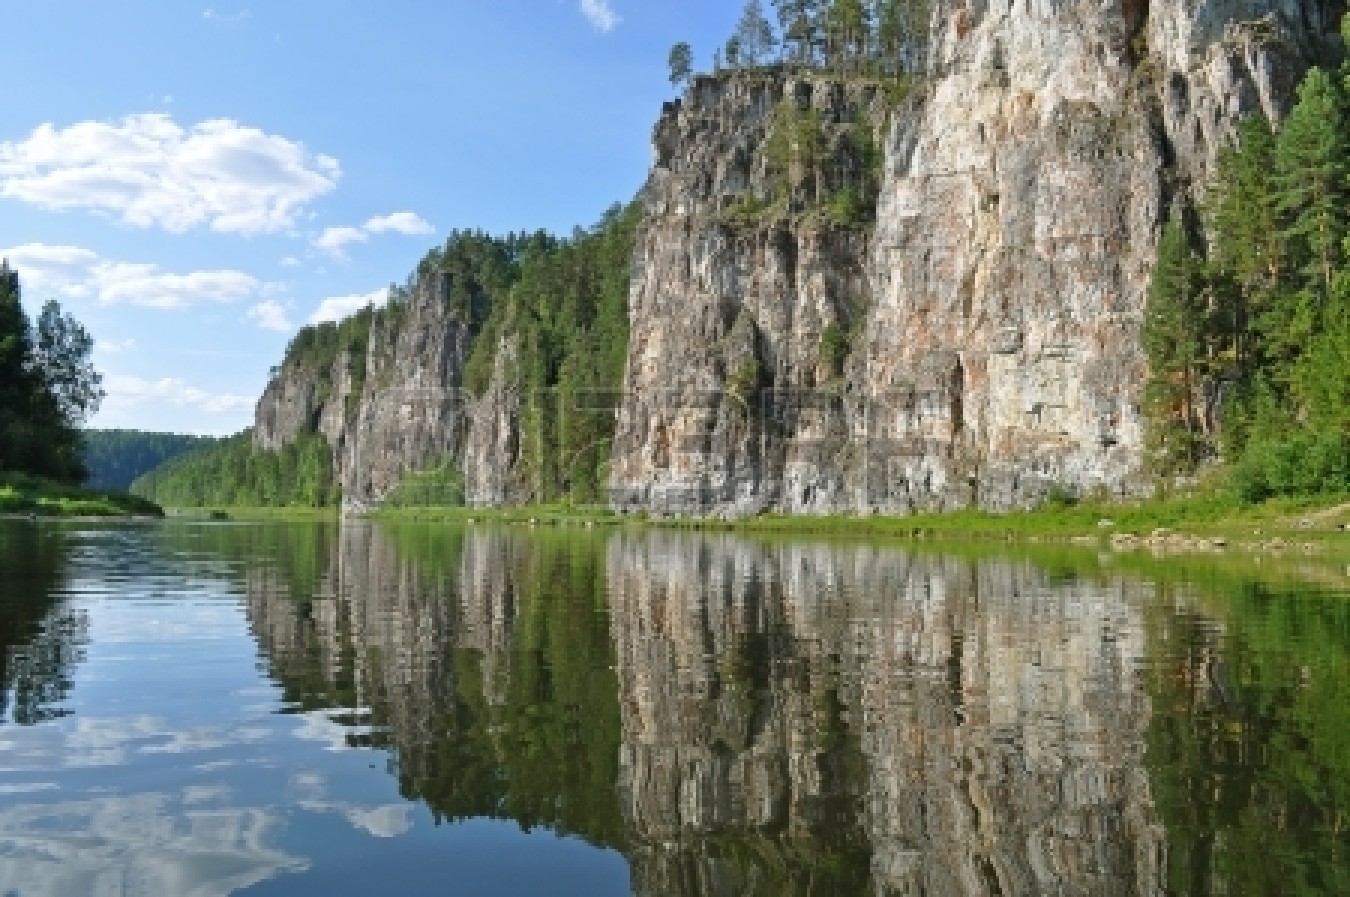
{"x": 992, "y": 310}
{"x": 844, "y": 300}
{"x": 408, "y": 410}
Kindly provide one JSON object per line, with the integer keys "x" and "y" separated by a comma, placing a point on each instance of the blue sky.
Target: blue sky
{"x": 197, "y": 180}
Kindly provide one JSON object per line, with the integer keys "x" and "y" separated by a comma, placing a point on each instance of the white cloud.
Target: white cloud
{"x": 225, "y": 18}
{"x": 335, "y": 239}
{"x": 600, "y": 14}
{"x": 151, "y": 172}
{"x": 126, "y": 392}
{"x": 406, "y": 223}
{"x": 339, "y": 307}
{"x": 72, "y": 272}
{"x": 271, "y": 315}
{"x": 112, "y": 347}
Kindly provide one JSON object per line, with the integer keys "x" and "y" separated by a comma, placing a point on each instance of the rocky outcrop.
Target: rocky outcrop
{"x": 407, "y": 411}
{"x": 411, "y": 414}
{"x": 492, "y": 449}
{"x": 992, "y": 310}
{"x": 848, "y": 300}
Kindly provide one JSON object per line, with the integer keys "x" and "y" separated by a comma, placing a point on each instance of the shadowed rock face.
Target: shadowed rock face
{"x": 993, "y": 307}
{"x": 829, "y": 720}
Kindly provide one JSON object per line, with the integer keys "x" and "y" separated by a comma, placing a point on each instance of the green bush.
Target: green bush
{"x": 1303, "y": 463}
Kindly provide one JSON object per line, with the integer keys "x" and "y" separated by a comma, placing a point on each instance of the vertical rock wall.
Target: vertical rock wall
{"x": 994, "y": 308}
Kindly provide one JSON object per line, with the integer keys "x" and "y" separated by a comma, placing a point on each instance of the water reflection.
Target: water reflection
{"x": 41, "y": 635}
{"x": 778, "y": 720}
{"x": 849, "y": 720}
{"x": 482, "y": 661}
{"x": 144, "y": 844}
{"x": 733, "y": 717}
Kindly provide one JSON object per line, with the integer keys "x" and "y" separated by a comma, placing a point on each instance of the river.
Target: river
{"x": 203, "y": 709}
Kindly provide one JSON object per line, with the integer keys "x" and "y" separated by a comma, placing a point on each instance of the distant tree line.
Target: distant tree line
{"x": 116, "y": 458}
{"x": 235, "y": 473}
{"x": 48, "y": 387}
{"x": 1248, "y": 331}
{"x": 874, "y": 37}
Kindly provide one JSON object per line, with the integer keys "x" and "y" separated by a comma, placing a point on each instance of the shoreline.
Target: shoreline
{"x": 1199, "y": 524}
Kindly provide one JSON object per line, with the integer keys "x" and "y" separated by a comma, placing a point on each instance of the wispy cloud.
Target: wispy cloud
{"x": 72, "y": 272}
{"x": 600, "y": 14}
{"x": 339, "y": 307}
{"x": 271, "y": 315}
{"x": 226, "y": 18}
{"x": 149, "y": 171}
{"x": 126, "y": 392}
{"x": 335, "y": 240}
{"x": 115, "y": 347}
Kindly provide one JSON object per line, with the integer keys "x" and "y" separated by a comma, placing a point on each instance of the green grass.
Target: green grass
{"x": 1207, "y": 515}
{"x": 22, "y": 493}
{"x": 281, "y": 514}
{"x": 550, "y": 515}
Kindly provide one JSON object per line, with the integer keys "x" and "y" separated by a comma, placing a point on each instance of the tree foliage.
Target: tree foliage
{"x": 236, "y": 473}
{"x": 48, "y": 387}
{"x": 871, "y": 37}
{"x": 116, "y": 458}
{"x": 681, "y": 62}
{"x": 1255, "y": 331}
{"x": 754, "y": 35}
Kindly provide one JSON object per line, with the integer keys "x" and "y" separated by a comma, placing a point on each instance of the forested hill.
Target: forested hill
{"x": 501, "y": 354}
{"x": 115, "y": 458}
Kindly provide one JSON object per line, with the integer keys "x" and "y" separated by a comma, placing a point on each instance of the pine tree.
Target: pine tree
{"x": 800, "y": 22}
{"x": 848, "y": 32}
{"x": 754, "y": 36}
{"x": 1244, "y": 228}
{"x": 16, "y": 381}
{"x": 1313, "y": 174}
{"x": 681, "y": 62}
{"x": 1172, "y": 340}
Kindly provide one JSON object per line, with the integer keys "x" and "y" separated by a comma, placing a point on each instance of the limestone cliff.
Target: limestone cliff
{"x": 991, "y": 310}
{"x": 845, "y": 296}
{"x": 392, "y": 402}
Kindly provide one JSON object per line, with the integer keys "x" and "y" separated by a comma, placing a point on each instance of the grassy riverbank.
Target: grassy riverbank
{"x": 251, "y": 513}
{"x": 1211, "y": 516}
{"x": 25, "y": 494}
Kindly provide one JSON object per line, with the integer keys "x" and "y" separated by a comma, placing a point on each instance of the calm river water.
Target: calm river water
{"x": 210, "y": 709}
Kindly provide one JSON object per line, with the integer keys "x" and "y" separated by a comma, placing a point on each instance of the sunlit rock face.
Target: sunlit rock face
{"x": 828, "y": 720}
{"x": 992, "y": 308}
{"x": 407, "y": 412}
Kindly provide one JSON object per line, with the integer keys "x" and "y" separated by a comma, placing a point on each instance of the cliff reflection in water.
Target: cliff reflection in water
{"x": 482, "y": 661}
{"x": 777, "y": 719}
{"x": 859, "y": 720}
